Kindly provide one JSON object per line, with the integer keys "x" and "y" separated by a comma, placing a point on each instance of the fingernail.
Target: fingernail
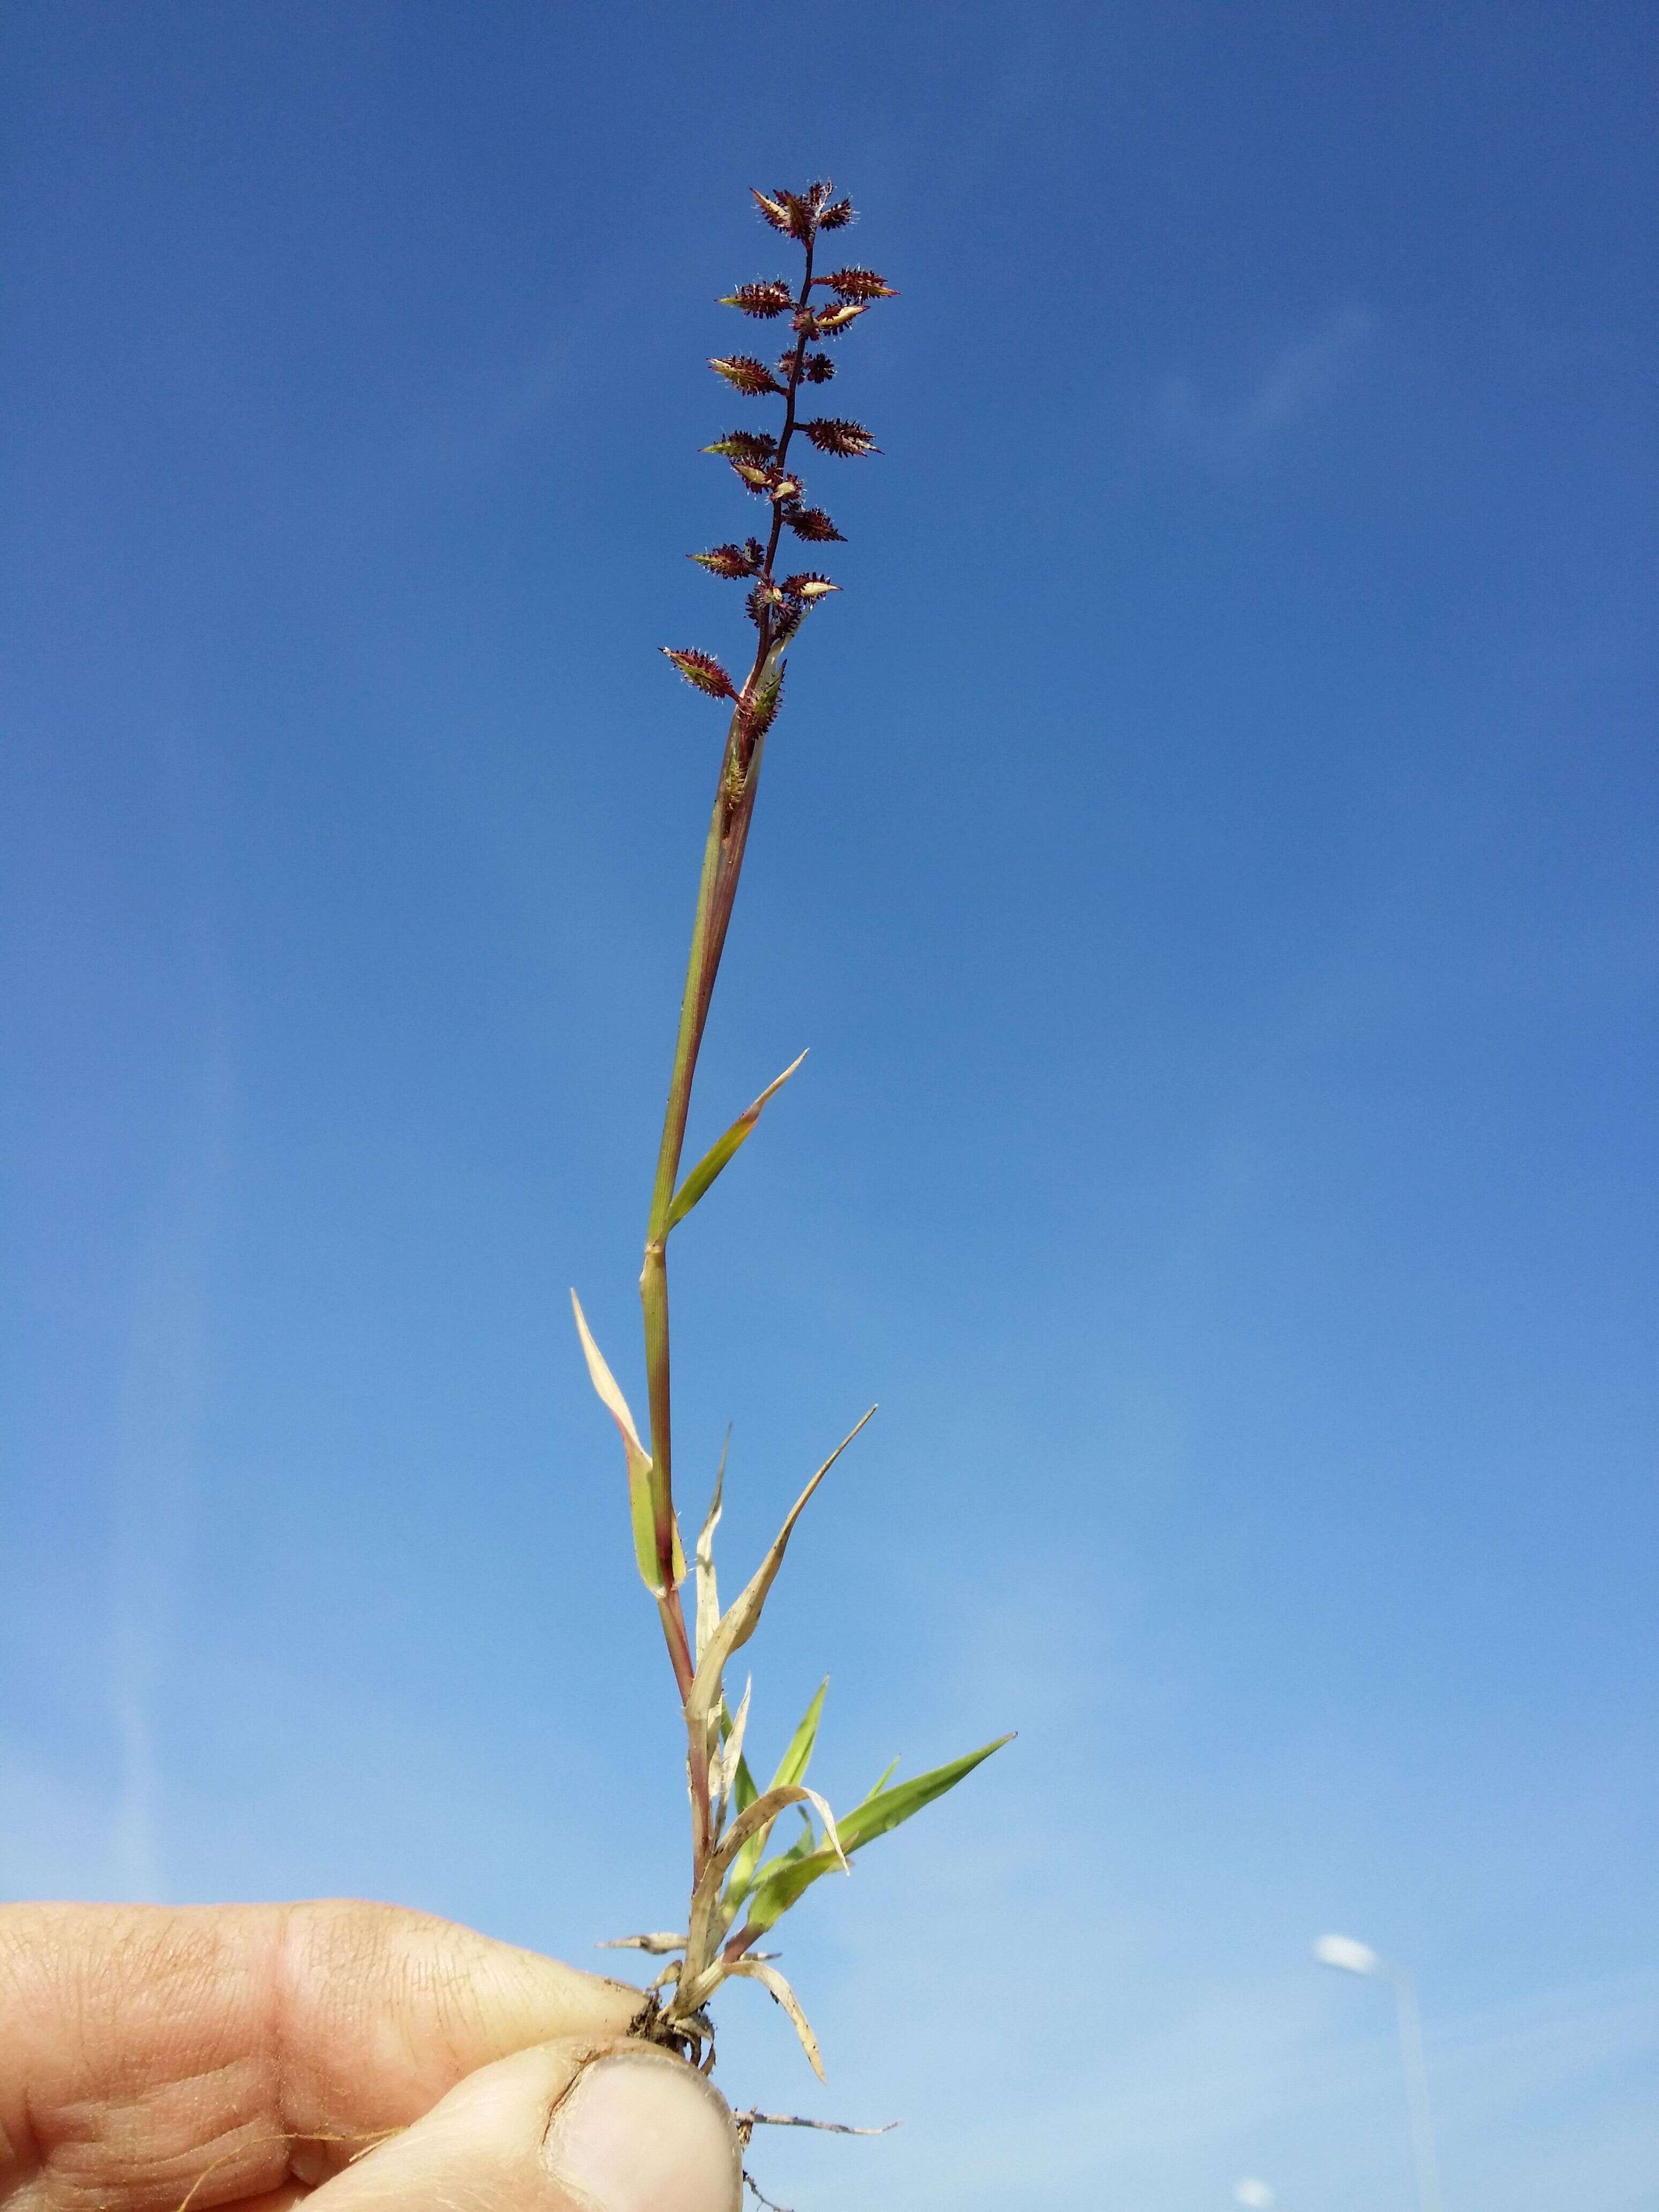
{"x": 641, "y": 2132}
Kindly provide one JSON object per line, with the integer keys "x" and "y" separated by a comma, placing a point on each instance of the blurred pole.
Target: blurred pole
{"x": 1417, "y": 2088}
{"x": 1350, "y": 1957}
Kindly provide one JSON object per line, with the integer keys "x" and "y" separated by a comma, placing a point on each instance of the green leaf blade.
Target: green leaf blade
{"x": 789, "y": 1878}
{"x": 792, "y": 1768}
{"x": 721, "y": 1154}
{"x": 884, "y": 1810}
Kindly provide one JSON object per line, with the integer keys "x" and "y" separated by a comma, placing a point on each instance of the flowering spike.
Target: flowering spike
{"x": 813, "y": 524}
{"x": 729, "y": 560}
{"x": 831, "y": 435}
{"x": 818, "y": 368}
{"x": 809, "y": 585}
{"x": 856, "y": 283}
{"x": 772, "y": 296}
{"x": 773, "y": 210}
{"x": 702, "y": 670}
{"x": 752, "y": 378}
{"x": 836, "y": 216}
{"x": 755, "y": 477}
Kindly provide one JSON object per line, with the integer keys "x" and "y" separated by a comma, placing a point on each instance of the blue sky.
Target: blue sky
{"x": 1209, "y": 851}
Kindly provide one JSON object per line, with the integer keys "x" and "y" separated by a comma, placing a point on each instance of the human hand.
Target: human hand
{"x": 354, "y": 2055}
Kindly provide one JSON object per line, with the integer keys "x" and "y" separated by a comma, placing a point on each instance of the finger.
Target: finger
{"x": 558, "y": 2129}
{"x": 146, "y": 2052}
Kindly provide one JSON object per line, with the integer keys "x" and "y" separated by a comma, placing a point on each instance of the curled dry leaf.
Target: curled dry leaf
{"x": 709, "y": 1604}
{"x": 739, "y": 1623}
{"x": 643, "y": 1489}
{"x": 756, "y": 1970}
{"x": 728, "y": 1759}
{"x": 704, "y": 1970}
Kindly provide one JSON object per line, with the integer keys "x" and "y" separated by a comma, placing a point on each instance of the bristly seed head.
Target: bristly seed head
{"x": 704, "y": 671}
{"x": 772, "y": 211}
{"x": 800, "y": 214}
{"x": 771, "y": 296}
{"x": 752, "y": 378}
{"x": 745, "y": 446}
{"x": 813, "y": 524}
{"x": 856, "y": 283}
{"x": 824, "y": 307}
{"x": 730, "y": 561}
{"x": 830, "y": 434}
{"x": 830, "y": 322}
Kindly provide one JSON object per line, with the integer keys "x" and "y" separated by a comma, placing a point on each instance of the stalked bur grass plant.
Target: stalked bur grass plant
{"x": 742, "y": 1880}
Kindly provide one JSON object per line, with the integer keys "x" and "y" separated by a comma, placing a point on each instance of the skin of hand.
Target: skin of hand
{"x": 354, "y": 2055}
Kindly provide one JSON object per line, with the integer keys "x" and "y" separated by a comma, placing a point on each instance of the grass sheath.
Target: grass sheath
{"x": 741, "y": 1883}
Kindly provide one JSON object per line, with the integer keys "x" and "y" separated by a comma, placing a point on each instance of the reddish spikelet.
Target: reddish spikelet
{"x": 762, "y": 710}
{"x": 770, "y": 483}
{"x": 856, "y": 283}
{"x": 704, "y": 671}
{"x": 752, "y": 378}
{"x": 754, "y": 446}
{"x": 830, "y": 322}
{"x": 730, "y": 560}
{"x": 774, "y": 211}
{"x": 809, "y": 585}
{"x": 818, "y": 368}
{"x": 772, "y": 296}
{"x": 831, "y": 434}
{"x": 800, "y": 214}
{"x": 813, "y": 524}
{"x": 836, "y": 216}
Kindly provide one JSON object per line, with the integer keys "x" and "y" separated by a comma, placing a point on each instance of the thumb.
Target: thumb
{"x": 559, "y": 2128}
